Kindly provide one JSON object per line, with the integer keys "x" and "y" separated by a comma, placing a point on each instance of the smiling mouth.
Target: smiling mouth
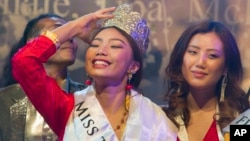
{"x": 100, "y": 63}
{"x": 199, "y": 74}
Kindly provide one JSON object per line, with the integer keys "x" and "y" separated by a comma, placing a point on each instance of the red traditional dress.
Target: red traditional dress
{"x": 213, "y": 134}
{"x": 80, "y": 116}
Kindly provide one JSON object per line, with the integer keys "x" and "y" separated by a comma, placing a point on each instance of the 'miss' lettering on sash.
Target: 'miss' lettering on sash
{"x": 86, "y": 119}
{"x": 94, "y": 123}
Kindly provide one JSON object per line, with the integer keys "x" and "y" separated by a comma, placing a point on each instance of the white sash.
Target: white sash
{"x": 88, "y": 121}
{"x": 92, "y": 123}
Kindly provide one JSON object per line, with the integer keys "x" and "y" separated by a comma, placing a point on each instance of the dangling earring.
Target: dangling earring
{"x": 178, "y": 91}
{"x": 129, "y": 86}
{"x": 223, "y": 87}
{"x": 88, "y": 82}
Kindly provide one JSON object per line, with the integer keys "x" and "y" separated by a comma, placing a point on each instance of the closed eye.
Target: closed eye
{"x": 116, "y": 46}
{"x": 93, "y": 45}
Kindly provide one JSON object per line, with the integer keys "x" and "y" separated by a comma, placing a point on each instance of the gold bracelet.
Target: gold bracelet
{"x": 52, "y": 36}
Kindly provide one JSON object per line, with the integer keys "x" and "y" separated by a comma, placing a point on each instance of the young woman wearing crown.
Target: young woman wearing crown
{"x": 110, "y": 108}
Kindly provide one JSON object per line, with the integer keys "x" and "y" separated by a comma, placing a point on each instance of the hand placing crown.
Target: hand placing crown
{"x": 132, "y": 23}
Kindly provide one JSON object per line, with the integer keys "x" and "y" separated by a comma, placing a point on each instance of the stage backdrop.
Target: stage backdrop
{"x": 166, "y": 18}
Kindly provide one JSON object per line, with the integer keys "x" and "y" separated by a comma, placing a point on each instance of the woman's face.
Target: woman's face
{"x": 203, "y": 61}
{"x": 109, "y": 57}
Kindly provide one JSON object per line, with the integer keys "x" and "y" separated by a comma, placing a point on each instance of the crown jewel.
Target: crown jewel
{"x": 132, "y": 23}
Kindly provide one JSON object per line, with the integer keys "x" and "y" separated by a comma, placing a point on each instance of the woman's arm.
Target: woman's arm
{"x": 83, "y": 26}
{"x": 48, "y": 98}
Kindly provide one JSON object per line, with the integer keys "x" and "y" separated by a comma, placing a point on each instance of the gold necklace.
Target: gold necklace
{"x": 125, "y": 114}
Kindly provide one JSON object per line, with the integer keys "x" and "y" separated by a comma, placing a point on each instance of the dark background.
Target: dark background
{"x": 166, "y": 18}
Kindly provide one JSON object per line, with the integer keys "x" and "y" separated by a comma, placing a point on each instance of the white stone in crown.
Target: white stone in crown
{"x": 132, "y": 23}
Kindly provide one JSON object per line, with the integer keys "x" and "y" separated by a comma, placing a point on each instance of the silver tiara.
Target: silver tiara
{"x": 132, "y": 23}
